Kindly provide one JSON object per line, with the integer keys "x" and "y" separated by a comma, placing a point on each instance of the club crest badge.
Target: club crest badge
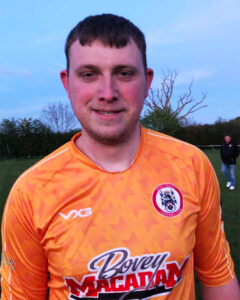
{"x": 167, "y": 200}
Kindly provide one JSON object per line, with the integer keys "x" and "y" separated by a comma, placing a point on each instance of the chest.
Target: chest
{"x": 145, "y": 211}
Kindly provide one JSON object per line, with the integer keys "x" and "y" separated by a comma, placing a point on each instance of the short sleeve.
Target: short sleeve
{"x": 213, "y": 262}
{"x": 24, "y": 266}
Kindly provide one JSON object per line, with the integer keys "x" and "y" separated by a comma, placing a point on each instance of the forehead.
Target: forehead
{"x": 99, "y": 54}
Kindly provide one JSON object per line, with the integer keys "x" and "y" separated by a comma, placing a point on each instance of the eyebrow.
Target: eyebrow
{"x": 88, "y": 67}
{"x": 120, "y": 67}
{"x": 116, "y": 68}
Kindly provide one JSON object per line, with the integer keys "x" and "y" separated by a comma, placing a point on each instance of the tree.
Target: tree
{"x": 164, "y": 121}
{"x": 29, "y": 137}
{"x": 59, "y": 117}
{"x": 8, "y": 137}
{"x": 33, "y": 137}
{"x": 212, "y": 134}
{"x": 24, "y": 137}
{"x": 163, "y": 99}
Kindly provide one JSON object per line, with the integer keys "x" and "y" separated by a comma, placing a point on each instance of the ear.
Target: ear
{"x": 64, "y": 79}
{"x": 149, "y": 78}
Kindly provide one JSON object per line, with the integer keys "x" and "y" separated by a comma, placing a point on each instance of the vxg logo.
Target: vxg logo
{"x": 73, "y": 214}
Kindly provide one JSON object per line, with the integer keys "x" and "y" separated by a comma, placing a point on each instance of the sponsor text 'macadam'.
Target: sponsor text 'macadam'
{"x": 115, "y": 272}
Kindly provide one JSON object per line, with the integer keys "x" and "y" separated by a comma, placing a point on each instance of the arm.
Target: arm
{"x": 213, "y": 262}
{"x": 236, "y": 150}
{"x": 228, "y": 291}
{"x": 24, "y": 266}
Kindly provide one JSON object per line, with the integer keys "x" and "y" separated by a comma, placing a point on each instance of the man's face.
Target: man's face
{"x": 227, "y": 139}
{"x": 107, "y": 87}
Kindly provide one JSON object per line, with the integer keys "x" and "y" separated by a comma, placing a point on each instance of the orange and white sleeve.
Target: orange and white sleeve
{"x": 24, "y": 266}
{"x": 213, "y": 262}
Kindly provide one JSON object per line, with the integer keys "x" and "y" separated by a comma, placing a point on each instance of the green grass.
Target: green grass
{"x": 11, "y": 169}
{"x": 9, "y": 172}
{"x": 230, "y": 201}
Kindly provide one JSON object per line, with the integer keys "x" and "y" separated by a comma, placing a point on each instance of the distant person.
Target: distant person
{"x": 229, "y": 154}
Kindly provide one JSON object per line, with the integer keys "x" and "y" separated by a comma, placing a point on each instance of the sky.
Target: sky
{"x": 200, "y": 40}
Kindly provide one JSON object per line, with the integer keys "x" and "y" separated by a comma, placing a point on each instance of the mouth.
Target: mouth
{"x": 107, "y": 113}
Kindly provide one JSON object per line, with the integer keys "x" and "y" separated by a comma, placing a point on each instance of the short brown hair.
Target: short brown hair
{"x": 111, "y": 30}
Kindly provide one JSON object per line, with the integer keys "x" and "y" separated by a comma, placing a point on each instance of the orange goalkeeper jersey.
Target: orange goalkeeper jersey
{"x": 74, "y": 231}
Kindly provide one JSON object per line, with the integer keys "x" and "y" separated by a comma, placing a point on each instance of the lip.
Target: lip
{"x": 107, "y": 114}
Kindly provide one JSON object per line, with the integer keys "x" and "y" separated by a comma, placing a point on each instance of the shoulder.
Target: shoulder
{"x": 45, "y": 169}
{"x": 30, "y": 190}
{"x": 38, "y": 187}
{"x": 234, "y": 144}
{"x": 173, "y": 146}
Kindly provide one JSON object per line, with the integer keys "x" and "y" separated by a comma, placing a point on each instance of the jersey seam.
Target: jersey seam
{"x": 56, "y": 172}
{"x": 39, "y": 164}
{"x": 227, "y": 258}
{"x": 173, "y": 140}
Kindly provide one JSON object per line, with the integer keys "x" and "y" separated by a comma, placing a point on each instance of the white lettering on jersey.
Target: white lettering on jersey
{"x": 83, "y": 212}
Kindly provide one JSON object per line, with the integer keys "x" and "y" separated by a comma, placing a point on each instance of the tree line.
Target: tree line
{"x": 212, "y": 134}
{"x": 197, "y": 134}
{"x": 30, "y": 137}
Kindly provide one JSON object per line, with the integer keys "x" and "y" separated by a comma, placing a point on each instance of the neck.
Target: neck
{"x": 117, "y": 158}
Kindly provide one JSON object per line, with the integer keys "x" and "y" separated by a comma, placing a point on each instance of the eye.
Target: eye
{"x": 126, "y": 74}
{"x": 88, "y": 76}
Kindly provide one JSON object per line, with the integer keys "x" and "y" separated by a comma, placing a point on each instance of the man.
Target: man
{"x": 229, "y": 153}
{"x": 120, "y": 212}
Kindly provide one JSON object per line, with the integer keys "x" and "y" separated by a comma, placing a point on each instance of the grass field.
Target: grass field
{"x": 11, "y": 169}
{"x": 230, "y": 201}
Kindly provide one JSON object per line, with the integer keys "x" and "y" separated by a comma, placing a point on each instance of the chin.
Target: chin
{"x": 110, "y": 139}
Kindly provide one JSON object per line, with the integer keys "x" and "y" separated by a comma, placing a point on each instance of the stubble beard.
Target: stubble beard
{"x": 113, "y": 139}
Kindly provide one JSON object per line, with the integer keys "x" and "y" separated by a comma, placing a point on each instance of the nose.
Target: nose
{"x": 107, "y": 89}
